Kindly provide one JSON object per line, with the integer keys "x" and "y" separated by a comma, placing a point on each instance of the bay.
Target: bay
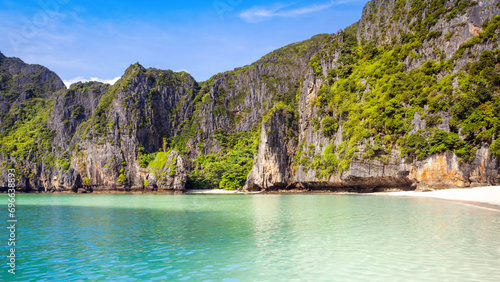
{"x": 274, "y": 237}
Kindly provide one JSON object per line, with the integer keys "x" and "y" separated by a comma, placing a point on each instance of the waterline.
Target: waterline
{"x": 254, "y": 238}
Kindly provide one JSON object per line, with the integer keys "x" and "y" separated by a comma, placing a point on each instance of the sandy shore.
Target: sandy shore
{"x": 211, "y": 191}
{"x": 489, "y": 195}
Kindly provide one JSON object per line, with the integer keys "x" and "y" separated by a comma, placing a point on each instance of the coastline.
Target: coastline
{"x": 486, "y": 196}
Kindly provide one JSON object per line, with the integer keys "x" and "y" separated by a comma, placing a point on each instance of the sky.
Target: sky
{"x": 84, "y": 40}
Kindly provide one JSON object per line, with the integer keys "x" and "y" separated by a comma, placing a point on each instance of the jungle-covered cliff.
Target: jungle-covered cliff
{"x": 407, "y": 97}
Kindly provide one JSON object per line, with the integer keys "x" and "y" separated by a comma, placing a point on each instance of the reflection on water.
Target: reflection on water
{"x": 252, "y": 238}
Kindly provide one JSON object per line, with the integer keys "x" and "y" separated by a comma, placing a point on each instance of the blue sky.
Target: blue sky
{"x": 84, "y": 40}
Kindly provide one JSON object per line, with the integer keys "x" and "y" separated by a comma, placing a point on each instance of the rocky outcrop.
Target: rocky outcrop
{"x": 70, "y": 180}
{"x": 22, "y": 87}
{"x": 273, "y": 164}
{"x": 237, "y": 100}
{"x": 145, "y": 110}
{"x": 20, "y": 81}
{"x": 388, "y": 171}
{"x": 167, "y": 172}
{"x": 447, "y": 171}
{"x": 439, "y": 171}
{"x": 71, "y": 108}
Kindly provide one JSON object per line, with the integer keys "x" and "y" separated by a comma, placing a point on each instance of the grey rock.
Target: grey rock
{"x": 143, "y": 114}
{"x": 70, "y": 180}
{"x": 272, "y": 168}
{"x": 171, "y": 175}
{"x": 418, "y": 123}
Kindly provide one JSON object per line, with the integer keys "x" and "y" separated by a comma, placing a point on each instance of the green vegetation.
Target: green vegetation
{"x": 418, "y": 146}
{"x": 495, "y": 148}
{"x": 26, "y": 134}
{"x": 280, "y": 107}
{"x": 315, "y": 63}
{"x": 285, "y": 55}
{"x": 77, "y": 113}
{"x": 122, "y": 179}
{"x": 143, "y": 158}
{"x": 395, "y": 95}
{"x": 172, "y": 167}
{"x": 330, "y": 126}
{"x": 160, "y": 162}
{"x": 229, "y": 168}
{"x": 427, "y": 14}
{"x": 165, "y": 77}
{"x": 327, "y": 163}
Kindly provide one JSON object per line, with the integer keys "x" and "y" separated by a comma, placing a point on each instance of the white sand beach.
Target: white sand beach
{"x": 483, "y": 195}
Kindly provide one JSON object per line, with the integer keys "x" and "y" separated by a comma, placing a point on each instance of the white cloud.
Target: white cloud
{"x": 258, "y": 14}
{"x": 182, "y": 70}
{"x": 77, "y": 79}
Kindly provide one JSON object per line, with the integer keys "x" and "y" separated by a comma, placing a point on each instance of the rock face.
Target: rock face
{"x": 441, "y": 170}
{"x": 167, "y": 172}
{"x": 398, "y": 18}
{"x": 283, "y": 122}
{"x": 145, "y": 110}
{"x": 20, "y": 82}
{"x": 25, "y": 90}
{"x": 70, "y": 180}
{"x": 73, "y": 106}
{"x": 446, "y": 171}
{"x": 273, "y": 164}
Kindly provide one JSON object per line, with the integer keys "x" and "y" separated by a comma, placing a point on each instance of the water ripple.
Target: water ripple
{"x": 253, "y": 237}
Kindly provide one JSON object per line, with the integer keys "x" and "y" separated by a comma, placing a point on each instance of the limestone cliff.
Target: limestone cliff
{"x": 450, "y": 27}
{"x": 26, "y": 96}
{"x": 273, "y": 164}
{"x": 141, "y": 113}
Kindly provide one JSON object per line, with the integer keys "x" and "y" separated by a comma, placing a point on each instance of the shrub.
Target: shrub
{"x": 329, "y": 127}
{"x": 414, "y": 145}
{"x": 495, "y": 148}
{"x": 122, "y": 179}
{"x": 315, "y": 63}
{"x": 145, "y": 159}
{"x": 330, "y": 157}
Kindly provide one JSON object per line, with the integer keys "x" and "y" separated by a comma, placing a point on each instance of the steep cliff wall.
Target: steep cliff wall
{"x": 335, "y": 152}
{"x": 26, "y": 97}
{"x": 441, "y": 25}
{"x": 136, "y": 118}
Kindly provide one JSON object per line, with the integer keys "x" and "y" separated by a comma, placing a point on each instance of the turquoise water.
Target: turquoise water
{"x": 70, "y": 237}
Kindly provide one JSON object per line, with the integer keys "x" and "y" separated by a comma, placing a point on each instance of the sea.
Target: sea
{"x": 249, "y": 237}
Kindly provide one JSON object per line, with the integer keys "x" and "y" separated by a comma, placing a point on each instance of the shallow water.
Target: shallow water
{"x": 66, "y": 237}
